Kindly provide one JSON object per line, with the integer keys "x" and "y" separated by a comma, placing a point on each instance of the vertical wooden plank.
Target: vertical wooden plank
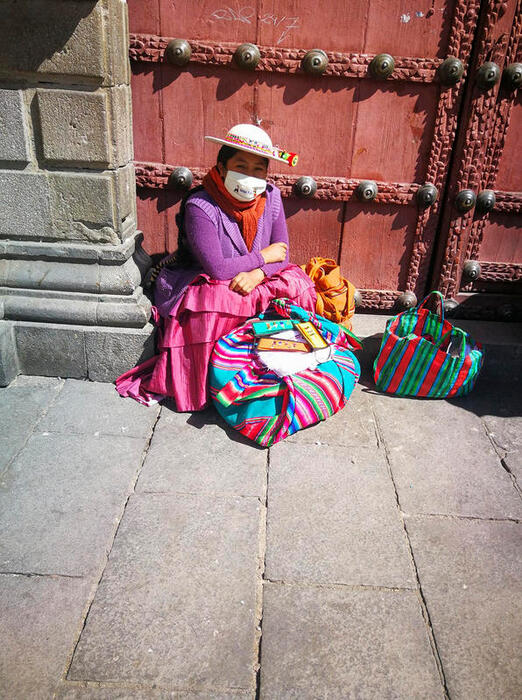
{"x": 502, "y": 239}
{"x": 376, "y": 245}
{"x": 313, "y": 228}
{"x": 404, "y": 28}
{"x": 151, "y": 219}
{"x": 200, "y": 101}
{"x": 394, "y": 131}
{"x": 509, "y": 176}
{"x": 210, "y": 19}
{"x": 331, "y": 26}
{"x": 313, "y": 119}
{"x": 144, "y": 17}
{"x": 146, "y": 112}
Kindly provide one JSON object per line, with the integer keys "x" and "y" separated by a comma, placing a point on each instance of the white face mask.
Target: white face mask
{"x": 243, "y": 187}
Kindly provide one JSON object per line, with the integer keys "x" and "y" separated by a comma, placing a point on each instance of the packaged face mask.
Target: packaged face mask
{"x": 243, "y": 187}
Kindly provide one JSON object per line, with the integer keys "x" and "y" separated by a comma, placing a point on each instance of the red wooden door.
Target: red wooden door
{"x": 347, "y": 125}
{"x": 479, "y": 262}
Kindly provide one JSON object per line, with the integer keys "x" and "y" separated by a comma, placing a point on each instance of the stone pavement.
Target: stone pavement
{"x": 150, "y": 554}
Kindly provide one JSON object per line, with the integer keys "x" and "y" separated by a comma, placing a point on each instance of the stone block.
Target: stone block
{"x": 76, "y": 309}
{"x": 54, "y": 37}
{"x": 9, "y": 364}
{"x": 113, "y": 351}
{"x": 46, "y": 307}
{"x": 340, "y": 643}
{"x": 117, "y": 27}
{"x": 61, "y": 500}
{"x": 353, "y": 425}
{"x": 333, "y": 518}
{"x": 51, "y": 349}
{"x": 94, "y": 208}
{"x": 76, "y": 252}
{"x": 63, "y": 275}
{"x": 95, "y": 408}
{"x": 442, "y": 460}
{"x": 177, "y": 463}
{"x": 74, "y": 127}
{"x": 471, "y": 576}
{"x": 82, "y": 207}
{"x": 26, "y": 197}
{"x": 125, "y": 186}
{"x": 51, "y": 275}
{"x": 39, "y": 624}
{"x": 13, "y": 129}
{"x": 131, "y": 312}
{"x": 22, "y": 405}
{"x": 121, "y": 125}
{"x": 176, "y": 604}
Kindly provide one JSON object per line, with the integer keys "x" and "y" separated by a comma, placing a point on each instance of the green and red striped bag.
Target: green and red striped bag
{"x": 421, "y": 354}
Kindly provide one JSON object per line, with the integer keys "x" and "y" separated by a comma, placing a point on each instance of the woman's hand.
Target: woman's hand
{"x": 275, "y": 252}
{"x": 245, "y": 282}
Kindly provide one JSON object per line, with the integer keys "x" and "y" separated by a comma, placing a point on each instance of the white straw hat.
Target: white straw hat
{"x": 250, "y": 138}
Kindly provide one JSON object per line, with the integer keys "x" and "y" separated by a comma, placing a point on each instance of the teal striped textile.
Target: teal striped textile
{"x": 268, "y": 408}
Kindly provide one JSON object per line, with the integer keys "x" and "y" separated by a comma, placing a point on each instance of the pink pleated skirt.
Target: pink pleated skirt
{"x": 207, "y": 310}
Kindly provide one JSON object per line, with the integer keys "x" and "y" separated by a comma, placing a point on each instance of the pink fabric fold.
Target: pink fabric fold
{"x": 207, "y": 310}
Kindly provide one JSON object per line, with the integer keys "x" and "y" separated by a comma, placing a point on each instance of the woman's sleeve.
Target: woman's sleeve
{"x": 279, "y": 235}
{"x": 202, "y": 236}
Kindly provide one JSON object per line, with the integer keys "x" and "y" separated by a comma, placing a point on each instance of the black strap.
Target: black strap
{"x": 182, "y": 256}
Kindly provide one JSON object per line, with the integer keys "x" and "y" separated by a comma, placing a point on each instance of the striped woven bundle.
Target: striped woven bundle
{"x": 423, "y": 355}
{"x": 267, "y": 408}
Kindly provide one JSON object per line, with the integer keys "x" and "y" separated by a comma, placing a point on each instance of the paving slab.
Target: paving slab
{"x": 113, "y": 691}
{"x": 22, "y": 404}
{"x": 198, "y": 454}
{"x": 333, "y": 518}
{"x": 353, "y": 425}
{"x": 176, "y": 603}
{"x": 499, "y": 404}
{"x": 442, "y": 459}
{"x": 96, "y": 408}
{"x": 337, "y": 643}
{"x": 513, "y": 462}
{"x": 505, "y": 427}
{"x": 61, "y": 499}
{"x": 40, "y": 621}
{"x": 471, "y": 576}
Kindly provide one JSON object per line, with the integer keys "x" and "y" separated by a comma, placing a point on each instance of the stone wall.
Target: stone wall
{"x": 70, "y": 259}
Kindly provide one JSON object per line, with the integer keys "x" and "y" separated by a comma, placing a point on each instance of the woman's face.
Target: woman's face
{"x": 245, "y": 163}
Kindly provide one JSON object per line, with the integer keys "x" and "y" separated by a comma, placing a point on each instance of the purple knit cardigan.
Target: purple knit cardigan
{"x": 217, "y": 244}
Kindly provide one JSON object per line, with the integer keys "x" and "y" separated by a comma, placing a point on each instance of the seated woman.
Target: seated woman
{"x": 232, "y": 260}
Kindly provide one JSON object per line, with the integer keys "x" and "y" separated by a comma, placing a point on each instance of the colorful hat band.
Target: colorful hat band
{"x": 250, "y": 143}
{"x": 290, "y": 158}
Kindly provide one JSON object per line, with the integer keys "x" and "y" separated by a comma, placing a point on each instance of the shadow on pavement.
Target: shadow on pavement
{"x": 208, "y": 417}
{"x": 497, "y": 392}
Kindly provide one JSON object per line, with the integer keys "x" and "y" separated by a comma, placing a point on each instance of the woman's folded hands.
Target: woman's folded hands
{"x": 244, "y": 282}
{"x": 275, "y": 252}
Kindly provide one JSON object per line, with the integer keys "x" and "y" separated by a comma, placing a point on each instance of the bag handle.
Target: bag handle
{"x": 463, "y": 338}
{"x": 316, "y": 264}
{"x": 440, "y": 305}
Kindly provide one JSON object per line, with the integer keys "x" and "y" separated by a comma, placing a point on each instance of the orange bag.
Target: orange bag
{"x": 335, "y": 295}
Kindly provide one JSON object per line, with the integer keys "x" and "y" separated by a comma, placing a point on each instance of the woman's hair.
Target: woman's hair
{"x": 226, "y": 153}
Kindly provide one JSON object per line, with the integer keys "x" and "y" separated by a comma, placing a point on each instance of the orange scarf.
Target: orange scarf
{"x": 246, "y": 214}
